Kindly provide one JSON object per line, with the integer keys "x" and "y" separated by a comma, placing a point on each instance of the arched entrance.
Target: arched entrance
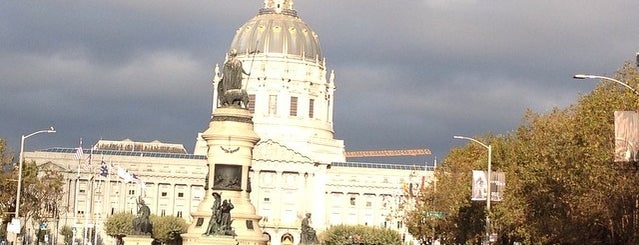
{"x": 287, "y": 239}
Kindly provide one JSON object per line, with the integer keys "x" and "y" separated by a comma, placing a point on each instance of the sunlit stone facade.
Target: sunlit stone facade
{"x": 282, "y": 191}
{"x": 298, "y": 166}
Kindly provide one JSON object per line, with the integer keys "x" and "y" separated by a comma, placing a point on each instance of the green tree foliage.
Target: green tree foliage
{"x": 8, "y": 184}
{"x": 42, "y": 189}
{"x": 167, "y": 229}
{"x": 360, "y": 234}
{"x": 562, "y": 185}
{"x": 119, "y": 225}
{"x": 67, "y": 233}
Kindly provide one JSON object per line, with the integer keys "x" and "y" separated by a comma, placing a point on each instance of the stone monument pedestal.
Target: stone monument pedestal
{"x": 208, "y": 240}
{"x": 137, "y": 240}
{"x": 230, "y": 139}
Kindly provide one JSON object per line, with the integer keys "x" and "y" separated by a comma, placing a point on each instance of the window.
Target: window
{"x": 181, "y": 194}
{"x": 293, "y": 111}
{"x": 179, "y": 214}
{"x": 164, "y": 193}
{"x": 352, "y": 201}
{"x": 311, "y": 108}
{"x": 266, "y": 199}
{"x": 272, "y": 104}
{"x": 251, "y": 103}
{"x": 132, "y": 192}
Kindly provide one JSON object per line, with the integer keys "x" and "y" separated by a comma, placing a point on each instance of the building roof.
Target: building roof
{"x": 382, "y": 166}
{"x": 126, "y": 153}
{"x": 277, "y": 31}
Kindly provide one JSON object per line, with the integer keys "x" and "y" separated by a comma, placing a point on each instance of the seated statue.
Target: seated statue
{"x": 307, "y": 233}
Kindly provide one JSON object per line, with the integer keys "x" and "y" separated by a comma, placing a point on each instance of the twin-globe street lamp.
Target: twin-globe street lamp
{"x": 20, "y": 160}
{"x": 488, "y": 191}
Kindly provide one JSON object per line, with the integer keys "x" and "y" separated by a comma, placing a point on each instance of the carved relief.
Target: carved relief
{"x": 227, "y": 177}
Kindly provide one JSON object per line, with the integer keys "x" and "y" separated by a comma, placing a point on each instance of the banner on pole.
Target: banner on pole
{"x": 626, "y": 136}
{"x": 480, "y": 188}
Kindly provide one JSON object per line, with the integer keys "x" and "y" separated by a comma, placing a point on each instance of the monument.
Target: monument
{"x": 307, "y": 233}
{"x": 142, "y": 226}
{"x": 226, "y": 215}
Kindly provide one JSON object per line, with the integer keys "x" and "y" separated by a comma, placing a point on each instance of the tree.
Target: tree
{"x": 67, "y": 233}
{"x": 360, "y": 234}
{"x": 119, "y": 225}
{"x": 41, "y": 190}
{"x": 8, "y": 186}
{"x": 167, "y": 229}
{"x": 562, "y": 184}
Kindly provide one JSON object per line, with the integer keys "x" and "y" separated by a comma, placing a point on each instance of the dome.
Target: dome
{"x": 277, "y": 30}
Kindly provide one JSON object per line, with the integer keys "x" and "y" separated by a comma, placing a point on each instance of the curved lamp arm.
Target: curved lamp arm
{"x": 586, "y": 76}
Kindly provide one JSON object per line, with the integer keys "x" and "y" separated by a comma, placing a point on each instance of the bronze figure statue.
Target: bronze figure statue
{"x": 220, "y": 222}
{"x": 213, "y": 227}
{"x": 141, "y": 223}
{"x": 307, "y": 233}
{"x": 230, "y": 92}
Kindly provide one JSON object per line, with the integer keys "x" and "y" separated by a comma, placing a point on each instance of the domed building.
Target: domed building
{"x": 291, "y": 94}
{"x": 291, "y": 99}
{"x": 298, "y": 165}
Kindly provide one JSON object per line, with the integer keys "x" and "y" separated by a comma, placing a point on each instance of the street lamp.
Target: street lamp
{"x": 586, "y": 76}
{"x": 20, "y": 160}
{"x": 489, "y": 180}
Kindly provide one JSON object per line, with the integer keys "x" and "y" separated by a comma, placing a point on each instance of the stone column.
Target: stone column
{"x": 230, "y": 139}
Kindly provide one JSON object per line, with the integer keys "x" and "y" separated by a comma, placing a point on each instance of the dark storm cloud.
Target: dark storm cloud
{"x": 409, "y": 74}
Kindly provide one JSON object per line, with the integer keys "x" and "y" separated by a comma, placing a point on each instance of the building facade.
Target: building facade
{"x": 298, "y": 165}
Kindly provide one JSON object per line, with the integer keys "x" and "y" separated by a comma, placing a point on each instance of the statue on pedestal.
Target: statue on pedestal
{"x": 141, "y": 223}
{"x": 307, "y": 233}
{"x": 215, "y": 213}
{"x": 230, "y": 92}
{"x": 220, "y": 222}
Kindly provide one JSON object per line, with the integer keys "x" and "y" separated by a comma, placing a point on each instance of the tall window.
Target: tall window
{"x": 311, "y": 108}
{"x": 293, "y": 111}
{"x": 272, "y": 104}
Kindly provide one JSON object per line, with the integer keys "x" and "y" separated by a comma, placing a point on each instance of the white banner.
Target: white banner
{"x": 626, "y": 136}
{"x": 479, "y": 186}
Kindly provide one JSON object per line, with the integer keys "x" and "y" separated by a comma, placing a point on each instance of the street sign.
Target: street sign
{"x": 435, "y": 214}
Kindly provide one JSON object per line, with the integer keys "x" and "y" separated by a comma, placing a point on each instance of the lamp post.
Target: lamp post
{"x": 20, "y": 160}
{"x": 587, "y": 76}
{"x": 489, "y": 148}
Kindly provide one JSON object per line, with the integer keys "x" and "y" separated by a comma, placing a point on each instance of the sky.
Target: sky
{"x": 409, "y": 73}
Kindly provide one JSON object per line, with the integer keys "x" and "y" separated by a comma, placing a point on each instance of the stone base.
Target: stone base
{"x": 137, "y": 240}
{"x": 208, "y": 240}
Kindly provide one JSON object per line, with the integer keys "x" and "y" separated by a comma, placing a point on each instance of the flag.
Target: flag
{"x": 137, "y": 179}
{"x": 104, "y": 169}
{"x": 124, "y": 175}
{"x": 78, "y": 153}
{"x": 88, "y": 160}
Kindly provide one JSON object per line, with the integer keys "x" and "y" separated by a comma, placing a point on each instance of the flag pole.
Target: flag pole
{"x": 78, "y": 155}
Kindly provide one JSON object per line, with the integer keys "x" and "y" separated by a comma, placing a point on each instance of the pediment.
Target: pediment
{"x": 273, "y": 151}
{"x": 53, "y": 167}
